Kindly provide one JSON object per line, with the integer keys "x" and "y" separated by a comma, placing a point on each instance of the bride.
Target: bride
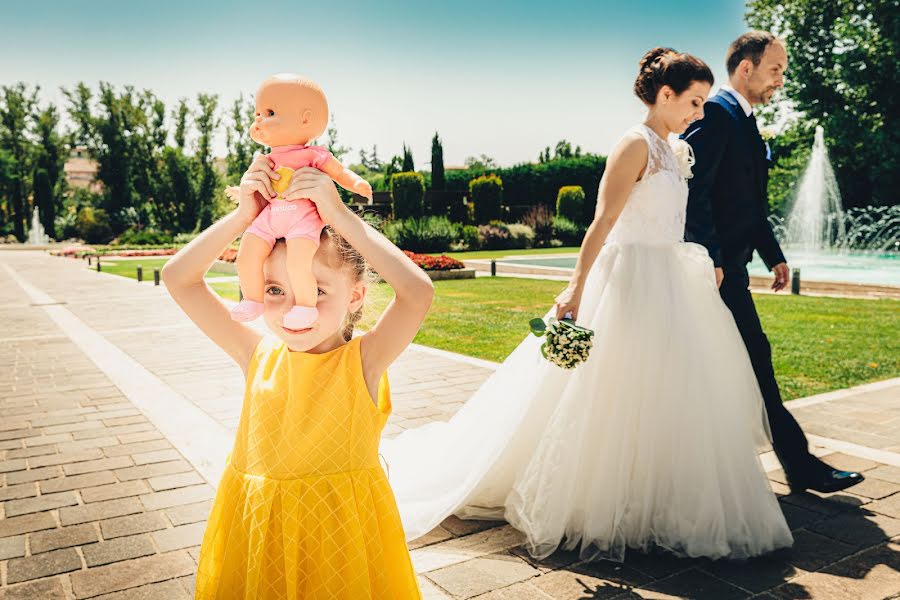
{"x": 653, "y": 440}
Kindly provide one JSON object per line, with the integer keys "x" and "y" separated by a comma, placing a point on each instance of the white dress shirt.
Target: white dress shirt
{"x": 745, "y": 104}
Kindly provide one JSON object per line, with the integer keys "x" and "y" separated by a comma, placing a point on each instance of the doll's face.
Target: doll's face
{"x": 338, "y": 293}
{"x": 680, "y": 110}
{"x": 288, "y": 112}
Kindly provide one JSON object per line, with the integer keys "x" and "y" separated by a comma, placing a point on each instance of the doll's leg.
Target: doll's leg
{"x": 300, "y": 252}
{"x": 251, "y": 256}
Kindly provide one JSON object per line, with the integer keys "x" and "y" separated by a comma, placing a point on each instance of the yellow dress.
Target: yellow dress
{"x": 304, "y": 510}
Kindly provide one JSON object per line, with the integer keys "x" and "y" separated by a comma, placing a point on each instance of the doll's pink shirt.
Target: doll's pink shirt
{"x": 295, "y": 218}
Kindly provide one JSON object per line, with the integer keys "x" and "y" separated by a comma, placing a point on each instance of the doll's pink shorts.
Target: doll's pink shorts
{"x": 288, "y": 219}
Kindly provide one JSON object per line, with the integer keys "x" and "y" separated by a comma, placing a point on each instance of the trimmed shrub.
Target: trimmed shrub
{"x": 521, "y": 236}
{"x": 570, "y": 203}
{"x": 567, "y": 231}
{"x": 429, "y": 234}
{"x": 532, "y": 183}
{"x": 540, "y": 220}
{"x": 142, "y": 237}
{"x": 471, "y": 239}
{"x": 408, "y": 195}
{"x": 92, "y": 225}
{"x": 496, "y": 236}
{"x": 486, "y": 193}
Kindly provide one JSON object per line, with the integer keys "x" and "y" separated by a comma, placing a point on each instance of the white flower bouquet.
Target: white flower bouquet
{"x": 567, "y": 344}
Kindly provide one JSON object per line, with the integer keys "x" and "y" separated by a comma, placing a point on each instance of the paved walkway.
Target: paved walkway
{"x": 103, "y": 494}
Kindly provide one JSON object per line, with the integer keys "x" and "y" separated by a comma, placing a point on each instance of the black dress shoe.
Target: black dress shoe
{"x": 823, "y": 479}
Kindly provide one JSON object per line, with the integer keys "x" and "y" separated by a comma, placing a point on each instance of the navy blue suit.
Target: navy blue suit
{"x": 727, "y": 213}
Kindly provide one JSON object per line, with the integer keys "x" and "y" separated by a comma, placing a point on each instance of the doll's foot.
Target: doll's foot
{"x": 300, "y": 317}
{"x": 246, "y": 310}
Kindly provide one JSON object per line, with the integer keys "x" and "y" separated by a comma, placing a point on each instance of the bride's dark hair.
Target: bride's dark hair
{"x": 665, "y": 66}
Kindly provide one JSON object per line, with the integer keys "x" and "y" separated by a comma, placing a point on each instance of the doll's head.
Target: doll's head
{"x": 343, "y": 278}
{"x": 290, "y": 109}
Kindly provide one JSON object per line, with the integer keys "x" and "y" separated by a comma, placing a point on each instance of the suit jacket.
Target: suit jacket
{"x": 727, "y": 208}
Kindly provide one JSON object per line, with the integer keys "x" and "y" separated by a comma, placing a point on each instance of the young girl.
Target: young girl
{"x": 304, "y": 509}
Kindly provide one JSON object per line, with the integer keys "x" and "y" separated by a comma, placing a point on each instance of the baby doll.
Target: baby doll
{"x": 290, "y": 111}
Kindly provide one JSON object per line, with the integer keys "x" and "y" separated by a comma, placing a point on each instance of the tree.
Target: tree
{"x": 180, "y": 115}
{"x": 43, "y": 199}
{"x": 207, "y": 123}
{"x": 482, "y": 162}
{"x": 395, "y": 165}
{"x": 370, "y": 160}
{"x": 17, "y": 109}
{"x": 408, "y": 165}
{"x": 50, "y": 158}
{"x": 240, "y": 145}
{"x": 331, "y": 141}
{"x": 843, "y": 75}
{"x": 438, "y": 181}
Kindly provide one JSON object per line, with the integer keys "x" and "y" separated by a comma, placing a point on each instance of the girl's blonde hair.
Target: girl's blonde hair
{"x": 353, "y": 261}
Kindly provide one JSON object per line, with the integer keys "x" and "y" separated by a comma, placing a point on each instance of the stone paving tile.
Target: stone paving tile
{"x": 870, "y": 575}
{"x": 64, "y": 537}
{"x": 42, "y": 565}
{"x": 119, "y": 549}
{"x": 483, "y": 574}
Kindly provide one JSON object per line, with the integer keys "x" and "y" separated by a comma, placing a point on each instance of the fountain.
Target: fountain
{"x": 36, "y": 235}
{"x": 817, "y": 204}
{"x": 859, "y": 245}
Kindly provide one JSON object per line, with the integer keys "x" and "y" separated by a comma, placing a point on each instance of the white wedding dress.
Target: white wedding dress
{"x": 650, "y": 442}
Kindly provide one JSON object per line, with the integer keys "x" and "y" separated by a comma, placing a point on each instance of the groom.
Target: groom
{"x": 727, "y": 213}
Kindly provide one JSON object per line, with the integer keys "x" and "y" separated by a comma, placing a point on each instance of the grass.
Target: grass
{"x": 819, "y": 344}
{"x": 128, "y": 268}
{"x": 502, "y": 253}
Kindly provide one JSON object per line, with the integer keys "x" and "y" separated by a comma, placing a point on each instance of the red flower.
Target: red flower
{"x": 434, "y": 263}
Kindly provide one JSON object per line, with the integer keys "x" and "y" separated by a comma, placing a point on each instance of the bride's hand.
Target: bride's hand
{"x": 567, "y": 302}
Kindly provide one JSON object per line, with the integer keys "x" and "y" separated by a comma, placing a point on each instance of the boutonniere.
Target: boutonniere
{"x": 684, "y": 154}
{"x": 767, "y": 133}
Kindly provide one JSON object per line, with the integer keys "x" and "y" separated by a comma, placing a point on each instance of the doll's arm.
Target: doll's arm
{"x": 346, "y": 178}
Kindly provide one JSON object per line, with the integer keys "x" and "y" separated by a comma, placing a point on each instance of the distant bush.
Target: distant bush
{"x": 408, "y": 195}
{"x": 486, "y": 193}
{"x": 540, "y": 220}
{"x": 92, "y": 225}
{"x": 567, "y": 231}
{"x": 570, "y": 203}
{"x": 428, "y": 234}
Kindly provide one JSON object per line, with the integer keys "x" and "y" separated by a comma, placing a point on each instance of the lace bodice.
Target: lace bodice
{"x": 655, "y": 210}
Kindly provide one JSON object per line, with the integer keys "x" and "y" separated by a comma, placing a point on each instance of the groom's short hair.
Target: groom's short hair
{"x": 751, "y": 45}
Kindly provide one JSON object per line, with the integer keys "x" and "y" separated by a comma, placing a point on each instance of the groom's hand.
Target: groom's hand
{"x": 782, "y": 276}
{"x": 720, "y": 275}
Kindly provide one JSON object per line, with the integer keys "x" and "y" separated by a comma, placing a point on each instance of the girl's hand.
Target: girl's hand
{"x": 256, "y": 188}
{"x": 315, "y": 185}
{"x": 567, "y": 302}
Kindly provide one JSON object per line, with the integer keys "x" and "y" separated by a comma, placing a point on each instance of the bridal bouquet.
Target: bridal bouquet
{"x": 567, "y": 344}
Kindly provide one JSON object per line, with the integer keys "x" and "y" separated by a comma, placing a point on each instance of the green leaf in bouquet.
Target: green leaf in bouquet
{"x": 571, "y": 324}
{"x": 538, "y": 327}
{"x": 544, "y": 351}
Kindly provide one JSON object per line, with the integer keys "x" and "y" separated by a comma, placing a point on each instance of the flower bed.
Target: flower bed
{"x": 230, "y": 255}
{"x": 434, "y": 263}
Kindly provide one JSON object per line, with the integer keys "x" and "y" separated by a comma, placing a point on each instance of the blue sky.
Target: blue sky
{"x": 498, "y": 78}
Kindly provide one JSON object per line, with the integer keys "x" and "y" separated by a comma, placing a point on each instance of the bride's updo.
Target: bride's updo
{"x": 665, "y": 66}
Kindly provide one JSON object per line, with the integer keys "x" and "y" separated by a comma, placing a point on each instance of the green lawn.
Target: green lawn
{"x": 819, "y": 344}
{"x": 128, "y": 268}
{"x": 502, "y": 253}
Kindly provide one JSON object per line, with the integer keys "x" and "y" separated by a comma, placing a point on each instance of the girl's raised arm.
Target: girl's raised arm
{"x": 412, "y": 287}
{"x": 184, "y": 273}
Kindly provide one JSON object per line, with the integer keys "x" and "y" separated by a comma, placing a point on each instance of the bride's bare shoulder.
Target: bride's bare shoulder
{"x": 631, "y": 152}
